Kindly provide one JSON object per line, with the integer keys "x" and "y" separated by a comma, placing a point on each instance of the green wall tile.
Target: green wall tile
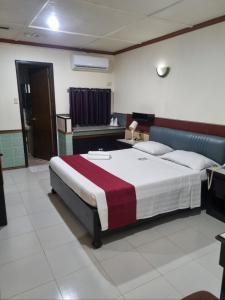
{"x": 65, "y": 143}
{"x": 11, "y": 146}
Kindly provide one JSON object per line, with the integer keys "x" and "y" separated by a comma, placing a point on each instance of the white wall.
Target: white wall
{"x": 64, "y": 78}
{"x": 195, "y": 88}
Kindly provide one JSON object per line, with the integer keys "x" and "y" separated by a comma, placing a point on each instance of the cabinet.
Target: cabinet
{"x": 215, "y": 204}
{"x": 3, "y": 217}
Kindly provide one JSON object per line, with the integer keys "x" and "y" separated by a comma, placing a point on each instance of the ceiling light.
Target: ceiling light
{"x": 53, "y": 23}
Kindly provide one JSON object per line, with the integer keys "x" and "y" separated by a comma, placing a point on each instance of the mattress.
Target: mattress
{"x": 161, "y": 186}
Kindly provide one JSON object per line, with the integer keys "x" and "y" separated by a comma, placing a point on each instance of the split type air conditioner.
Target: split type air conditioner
{"x": 90, "y": 63}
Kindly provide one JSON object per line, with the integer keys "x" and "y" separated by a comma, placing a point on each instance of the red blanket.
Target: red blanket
{"x": 120, "y": 195}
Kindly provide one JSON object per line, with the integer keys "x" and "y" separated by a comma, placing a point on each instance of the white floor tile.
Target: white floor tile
{"x": 89, "y": 283}
{"x": 158, "y": 288}
{"x": 143, "y": 237}
{"x": 164, "y": 255}
{"x": 16, "y": 227}
{"x": 7, "y": 178}
{"x": 11, "y": 188}
{"x": 129, "y": 270}
{"x": 37, "y": 203}
{"x": 191, "y": 278}
{"x": 54, "y": 236}
{"x": 31, "y": 195}
{"x": 175, "y": 257}
{"x": 48, "y": 291}
{"x": 19, "y": 247}
{"x": 13, "y": 198}
{"x": 15, "y": 210}
{"x": 111, "y": 249}
{"x": 67, "y": 259}
{"x": 25, "y": 274}
{"x": 211, "y": 263}
{"x": 28, "y": 185}
{"x": 190, "y": 240}
{"x": 171, "y": 225}
{"x": 45, "y": 219}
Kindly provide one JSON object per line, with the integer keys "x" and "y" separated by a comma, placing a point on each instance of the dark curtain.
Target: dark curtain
{"x": 90, "y": 106}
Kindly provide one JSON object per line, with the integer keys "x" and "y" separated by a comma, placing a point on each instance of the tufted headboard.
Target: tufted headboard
{"x": 210, "y": 146}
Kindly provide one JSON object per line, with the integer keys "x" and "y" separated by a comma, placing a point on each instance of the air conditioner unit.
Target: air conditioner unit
{"x": 90, "y": 63}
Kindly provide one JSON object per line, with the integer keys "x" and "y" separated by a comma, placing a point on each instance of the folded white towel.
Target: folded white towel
{"x": 101, "y": 153}
{"x": 100, "y": 157}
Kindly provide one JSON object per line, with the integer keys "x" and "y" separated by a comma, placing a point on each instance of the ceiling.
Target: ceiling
{"x": 105, "y": 25}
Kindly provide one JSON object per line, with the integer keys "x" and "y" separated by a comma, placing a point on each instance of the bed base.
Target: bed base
{"x": 88, "y": 215}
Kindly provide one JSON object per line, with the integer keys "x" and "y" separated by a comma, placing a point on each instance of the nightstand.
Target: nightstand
{"x": 3, "y": 217}
{"x": 126, "y": 144}
{"x": 215, "y": 203}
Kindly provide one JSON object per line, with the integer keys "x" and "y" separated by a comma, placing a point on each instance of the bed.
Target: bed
{"x": 161, "y": 186}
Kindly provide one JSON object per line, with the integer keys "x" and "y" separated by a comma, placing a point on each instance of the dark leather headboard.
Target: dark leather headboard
{"x": 208, "y": 145}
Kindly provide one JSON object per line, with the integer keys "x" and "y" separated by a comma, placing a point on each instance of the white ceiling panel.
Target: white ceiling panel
{"x": 13, "y": 33}
{"x": 194, "y": 11}
{"x": 83, "y": 17}
{"x": 147, "y": 29}
{"x": 145, "y": 7}
{"x": 109, "y": 45}
{"x": 56, "y": 38}
{"x": 19, "y": 11}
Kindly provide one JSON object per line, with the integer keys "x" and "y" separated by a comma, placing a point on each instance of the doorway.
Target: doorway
{"x": 37, "y": 108}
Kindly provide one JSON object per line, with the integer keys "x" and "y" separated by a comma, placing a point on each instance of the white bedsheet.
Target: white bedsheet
{"x": 161, "y": 186}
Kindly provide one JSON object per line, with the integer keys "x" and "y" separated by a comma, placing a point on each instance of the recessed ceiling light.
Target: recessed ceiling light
{"x": 53, "y": 23}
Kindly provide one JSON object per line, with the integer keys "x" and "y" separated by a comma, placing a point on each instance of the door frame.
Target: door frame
{"x": 49, "y": 66}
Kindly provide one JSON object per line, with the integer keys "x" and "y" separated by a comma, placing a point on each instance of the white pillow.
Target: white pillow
{"x": 189, "y": 159}
{"x": 153, "y": 148}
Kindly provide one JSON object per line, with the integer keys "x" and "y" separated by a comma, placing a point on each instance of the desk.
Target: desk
{"x": 3, "y": 217}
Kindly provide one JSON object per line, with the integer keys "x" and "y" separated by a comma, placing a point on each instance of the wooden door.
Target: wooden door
{"x": 42, "y": 130}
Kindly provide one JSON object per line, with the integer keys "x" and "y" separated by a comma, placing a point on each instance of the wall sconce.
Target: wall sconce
{"x": 162, "y": 71}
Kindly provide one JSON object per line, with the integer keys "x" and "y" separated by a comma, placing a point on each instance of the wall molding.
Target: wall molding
{"x": 195, "y": 27}
{"x": 174, "y": 34}
{"x": 199, "y": 127}
{"x": 14, "y": 168}
{"x": 10, "y": 131}
{"x": 59, "y": 47}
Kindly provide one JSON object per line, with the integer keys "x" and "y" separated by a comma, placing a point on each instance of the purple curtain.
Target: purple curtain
{"x": 90, "y": 106}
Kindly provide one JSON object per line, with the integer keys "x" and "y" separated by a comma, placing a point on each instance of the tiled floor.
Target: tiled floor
{"x": 46, "y": 254}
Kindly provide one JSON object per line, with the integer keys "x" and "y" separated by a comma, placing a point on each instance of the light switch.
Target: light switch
{"x": 16, "y": 101}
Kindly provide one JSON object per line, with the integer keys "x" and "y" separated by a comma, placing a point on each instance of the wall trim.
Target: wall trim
{"x": 199, "y": 127}
{"x": 10, "y": 131}
{"x": 174, "y": 34}
{"x": 195, "y": 27}
{"x": 59, "y": 47}
{"x": 14, "y": 168}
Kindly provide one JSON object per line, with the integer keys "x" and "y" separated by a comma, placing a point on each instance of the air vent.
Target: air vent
{"x": 31, "y": 35}
{"x": 4, "y": 27}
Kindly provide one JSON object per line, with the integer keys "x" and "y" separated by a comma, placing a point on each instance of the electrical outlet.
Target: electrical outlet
{"x": 16, "y": 101}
